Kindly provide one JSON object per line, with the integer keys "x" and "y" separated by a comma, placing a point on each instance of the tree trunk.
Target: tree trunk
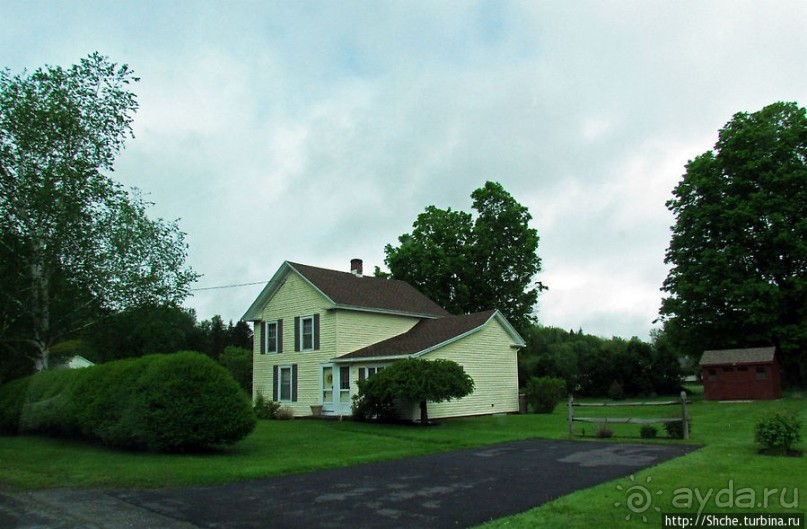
{"x": 40, "y": 301}
{"x": 424, "y": 414}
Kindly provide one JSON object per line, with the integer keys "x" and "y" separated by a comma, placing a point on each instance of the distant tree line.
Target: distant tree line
{"x": 598, "y": 367}
{"x": 155, "y": 329}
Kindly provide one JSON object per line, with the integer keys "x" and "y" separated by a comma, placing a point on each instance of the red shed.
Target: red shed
{"x": 741, "y": 374}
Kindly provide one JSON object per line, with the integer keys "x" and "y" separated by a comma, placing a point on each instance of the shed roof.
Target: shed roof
{"x": 754, "y": 355}
{"x": 428, "y": 335}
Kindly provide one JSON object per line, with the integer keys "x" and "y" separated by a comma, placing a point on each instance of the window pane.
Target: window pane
{"x": 370, "y": 371}
{"x": 344, "y": 378}
{"x": 308, "y": 333}
{"x": 271, "y": 337}
{"x": 285, "y": 383}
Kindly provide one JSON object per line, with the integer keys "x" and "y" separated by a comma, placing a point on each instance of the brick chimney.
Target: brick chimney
{"x": 356, "y": 267}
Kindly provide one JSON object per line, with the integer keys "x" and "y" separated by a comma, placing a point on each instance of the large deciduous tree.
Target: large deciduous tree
{"x": 470, "y": 263}
{"x": 75, "y": 240}
{"x": 738, "y": 252}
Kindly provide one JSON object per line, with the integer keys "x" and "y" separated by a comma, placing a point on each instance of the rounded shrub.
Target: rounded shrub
{"x": 187, "y": 401}
{"x": 648, "y": 432}
{"x": 265, "y": 408}
{"x": 675, "y": 430}
{"x": 778, "y": 431}
{"x": 544, "y": 393}
{"x": 166, "y": 403}
{"x": 604, "y": 432}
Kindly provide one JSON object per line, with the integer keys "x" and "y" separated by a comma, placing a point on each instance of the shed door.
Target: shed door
{"x": 735, "y": 383}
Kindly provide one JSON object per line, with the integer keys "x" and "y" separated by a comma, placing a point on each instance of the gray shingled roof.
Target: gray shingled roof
{"x": 754, "y": 355}
{"x": 346, "y": 289}
{"x": 424, "y": 335}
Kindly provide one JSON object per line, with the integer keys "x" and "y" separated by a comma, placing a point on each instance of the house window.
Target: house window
{"x": 728, "y": 369}
{"x": 761, "y": 373}
{"x": 271, "y": 337}
{"x": 284, "y": 383}
{"x": 367, "y": 372}
{"x": 742, "y": 368}
{"x": 307, "y": 333}
{"x": 344, "y": 385}
{"x": 712, "y": 375}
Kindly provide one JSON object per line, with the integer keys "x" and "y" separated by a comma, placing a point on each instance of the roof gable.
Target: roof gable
{"x": 428, "y": 335}
{"x": 348, "y": 291}
{"x": 755, "y": 355}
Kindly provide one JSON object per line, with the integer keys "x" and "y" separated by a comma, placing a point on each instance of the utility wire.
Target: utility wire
{"x": 228, "y": 286}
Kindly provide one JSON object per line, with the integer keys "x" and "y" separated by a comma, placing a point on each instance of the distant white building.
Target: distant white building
{"x": 74, "y": 362}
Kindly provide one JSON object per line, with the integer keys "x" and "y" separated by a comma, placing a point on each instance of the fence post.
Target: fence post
{"x": 684, "y": 414}
{"x": 571, "y": 417}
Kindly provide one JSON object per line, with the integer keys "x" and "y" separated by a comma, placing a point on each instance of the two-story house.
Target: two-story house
{"x": 319, "y": 331}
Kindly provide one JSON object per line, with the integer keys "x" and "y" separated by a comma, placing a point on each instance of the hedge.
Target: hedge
{"x": 165, "y": 403}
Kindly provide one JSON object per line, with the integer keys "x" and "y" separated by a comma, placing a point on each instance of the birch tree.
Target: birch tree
{"x": 76, "y": 242}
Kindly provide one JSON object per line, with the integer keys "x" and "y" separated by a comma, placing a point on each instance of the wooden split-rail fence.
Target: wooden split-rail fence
{"x": 684, "y": 418}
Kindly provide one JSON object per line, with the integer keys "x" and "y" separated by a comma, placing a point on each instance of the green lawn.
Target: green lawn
{"x": 276, "y": 447}
{"x": 729, "y": 457}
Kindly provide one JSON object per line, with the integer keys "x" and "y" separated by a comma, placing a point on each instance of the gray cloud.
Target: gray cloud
{"x": 317, "y": 133}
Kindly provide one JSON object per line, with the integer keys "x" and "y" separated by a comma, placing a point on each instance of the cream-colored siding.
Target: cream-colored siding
{"x": 486, "y": 355}
{"x": 341, "y": 331}
{"x": 357, "y": 329}
{"x": 295, "y": 298}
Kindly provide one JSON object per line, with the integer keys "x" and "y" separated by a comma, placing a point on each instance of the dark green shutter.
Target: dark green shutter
{"x": 361, "y": 373}
{"x": 262, "y": 325}
{"x": 294, "y": 383}
{"x": 296, "y": 333}
{"x": 275, "y": 383}
{"x": 316, "y": 332}
{"x": 279, "y": 336}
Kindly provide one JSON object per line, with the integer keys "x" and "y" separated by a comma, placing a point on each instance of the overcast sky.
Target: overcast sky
{"x": 317, "y": 131}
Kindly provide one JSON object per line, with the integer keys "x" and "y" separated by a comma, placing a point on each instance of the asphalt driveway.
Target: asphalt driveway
{"x": 452, "y": 489}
